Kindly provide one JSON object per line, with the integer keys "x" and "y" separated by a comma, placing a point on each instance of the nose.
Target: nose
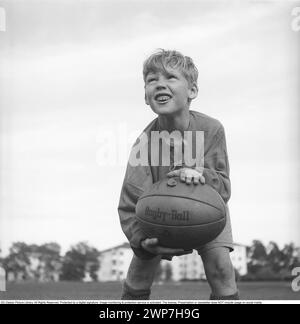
{"x": 161, "y": 83}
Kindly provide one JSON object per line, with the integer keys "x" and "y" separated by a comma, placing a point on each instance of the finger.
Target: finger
{"x": 167, "y": 251}
{"x": 202, "y": 179}
{"x": 149, "y": 246}
{"x": 184, "y": 252}
{"x": 188, "y": 180}
{"x": 199, "y": 169}
{"x": 167, "y": 257}
{"x": 182, "y": 176}
{"x": 145, "y": 246}
{"x": 196, "y": 180}
{"x": 149, "y": 243}
{"x": 173, "y": 173}
{"x": 152, "y": 241}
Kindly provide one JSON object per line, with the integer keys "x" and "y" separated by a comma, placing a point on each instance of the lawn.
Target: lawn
{"x": 166, "y": 291}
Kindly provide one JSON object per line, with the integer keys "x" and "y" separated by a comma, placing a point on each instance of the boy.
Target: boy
{"x": 170, "y": 86}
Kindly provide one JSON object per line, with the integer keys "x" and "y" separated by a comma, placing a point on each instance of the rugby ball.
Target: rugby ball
{"x": 181, "y": 215}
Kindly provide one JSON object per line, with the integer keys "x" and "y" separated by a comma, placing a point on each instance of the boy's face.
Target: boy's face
{"x": 168, "y": 92}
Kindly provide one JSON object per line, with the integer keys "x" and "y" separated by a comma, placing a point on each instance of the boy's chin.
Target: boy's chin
{"x": 166, "y": 112}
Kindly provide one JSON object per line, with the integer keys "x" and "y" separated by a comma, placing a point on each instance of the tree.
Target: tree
{"x": 289, "y": 256}
{"x": 275, "y": 257}
{"x": 258, "y": 251}
{"x": 257, "y": 257}
{"x": 17, "y": 262}
{"x": 271, "y": 263}
{"x": 50, "y": 261}
{"x": 81, "y": 259}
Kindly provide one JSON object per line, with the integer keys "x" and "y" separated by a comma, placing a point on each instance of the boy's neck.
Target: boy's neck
{"x": 176, "y": 122}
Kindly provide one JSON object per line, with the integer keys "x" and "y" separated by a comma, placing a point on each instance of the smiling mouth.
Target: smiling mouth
{"x": 162, "y": 98}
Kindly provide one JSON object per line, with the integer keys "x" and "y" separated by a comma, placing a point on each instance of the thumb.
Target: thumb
{"x": 152, "y": 241}
{"x": 173, "y": 173}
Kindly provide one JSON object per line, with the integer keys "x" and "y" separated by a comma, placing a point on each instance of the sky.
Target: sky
{"x": 71, "y": 87}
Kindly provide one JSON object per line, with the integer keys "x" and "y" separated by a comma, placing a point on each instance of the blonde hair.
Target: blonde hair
{"x": 164, "y": 59}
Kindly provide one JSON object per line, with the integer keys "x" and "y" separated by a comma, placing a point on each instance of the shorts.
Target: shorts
{"x": 224, "y": 239}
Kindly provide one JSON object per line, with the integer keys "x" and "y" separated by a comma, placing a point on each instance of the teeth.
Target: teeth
{"x": 162, "y": 98}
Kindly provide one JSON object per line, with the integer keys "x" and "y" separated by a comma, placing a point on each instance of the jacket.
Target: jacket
{"x": 139, "y": 178}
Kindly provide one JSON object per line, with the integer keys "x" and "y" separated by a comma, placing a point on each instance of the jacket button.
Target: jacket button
{"x": 172, "y": 182}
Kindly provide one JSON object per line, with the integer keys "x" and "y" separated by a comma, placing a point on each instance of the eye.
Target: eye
{"x": 151, "y": 79}
{"x": 172, "y": 76}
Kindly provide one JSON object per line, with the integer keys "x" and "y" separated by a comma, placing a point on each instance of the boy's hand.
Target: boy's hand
{"x": 151, "y": 245}
{"x": 187, "y": 175}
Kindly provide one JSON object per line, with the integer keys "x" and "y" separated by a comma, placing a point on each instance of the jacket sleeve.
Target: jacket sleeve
{"x": 216, "y": 165}
{"x": 130, "y": 194}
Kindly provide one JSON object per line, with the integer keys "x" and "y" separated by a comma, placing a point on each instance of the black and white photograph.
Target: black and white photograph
{"x": 149, "y": 151}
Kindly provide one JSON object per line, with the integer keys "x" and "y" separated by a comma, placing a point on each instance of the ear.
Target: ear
{"x": 193, "y": 91}
{"x": 146, "y": 100}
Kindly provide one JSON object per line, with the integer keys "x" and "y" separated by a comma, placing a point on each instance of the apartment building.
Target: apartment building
{"x": 114, "y": 263}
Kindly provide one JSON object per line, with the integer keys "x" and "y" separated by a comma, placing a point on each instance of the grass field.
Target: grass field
{"x": 167, "y": 291}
